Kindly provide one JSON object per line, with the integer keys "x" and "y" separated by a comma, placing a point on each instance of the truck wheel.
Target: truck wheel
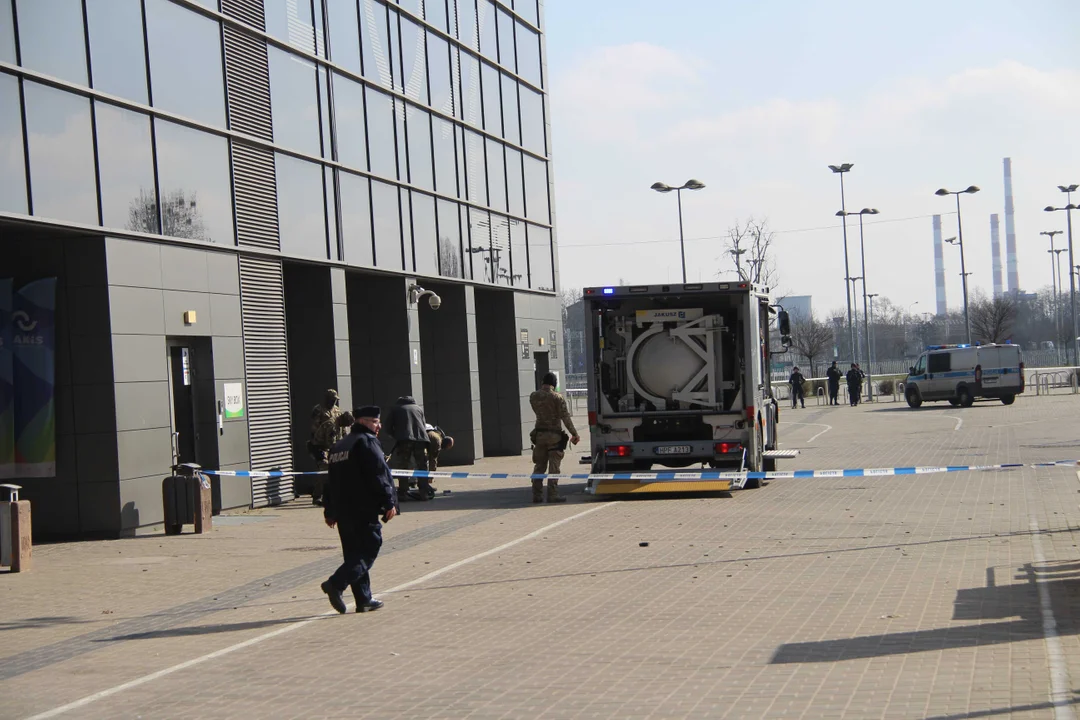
{"x": 914, "y": 399}
{"x": 954, "y": 402}
{"x": 757, "y": 463}
{"x": 964, "y": 396}
{"x": 1007, "y": 399}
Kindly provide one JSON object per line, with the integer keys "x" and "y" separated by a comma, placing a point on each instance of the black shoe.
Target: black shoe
{"x": 317, "y": 502}
{"x": 368, "y": 607}
{"x": 335, "y": 597}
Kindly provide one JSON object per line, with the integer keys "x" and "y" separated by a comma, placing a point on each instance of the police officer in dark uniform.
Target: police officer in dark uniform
{"x": 360, "y": 491}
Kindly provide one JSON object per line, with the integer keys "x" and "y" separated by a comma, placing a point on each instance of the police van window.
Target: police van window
{"x": 920, "y": 367}
{"x": 938, "y": 362}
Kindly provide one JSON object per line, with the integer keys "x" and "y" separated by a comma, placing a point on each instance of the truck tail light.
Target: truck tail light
{"x": 619, "y": 451}
{"x": 750, "y": 413}
{"x": 723, "y": 448}
{"x": 592, "y": 419}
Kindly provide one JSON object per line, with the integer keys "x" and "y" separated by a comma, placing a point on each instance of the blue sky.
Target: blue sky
{"x": 755, "y": 99}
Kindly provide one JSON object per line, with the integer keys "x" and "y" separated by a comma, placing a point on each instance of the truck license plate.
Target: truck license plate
{"x": 673, "y": 450}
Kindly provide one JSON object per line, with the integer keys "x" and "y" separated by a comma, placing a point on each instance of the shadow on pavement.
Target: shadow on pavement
{"x": 194, "y": 630}
{"x": 40, "y": 622}
{"x": 1020, "y": 601}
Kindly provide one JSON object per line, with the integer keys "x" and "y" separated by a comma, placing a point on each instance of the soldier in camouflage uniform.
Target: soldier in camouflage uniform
{"x": 324, "y": 433}
{"x": 547, "y": 437}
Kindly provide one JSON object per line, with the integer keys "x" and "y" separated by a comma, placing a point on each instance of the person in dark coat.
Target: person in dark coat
{"x": 797, "y": 394}
{"x": 408, "y": 427}
{"x": 833, "y": 375}
{"x": 359, "y": 492}
{"x": 854, "y": 384}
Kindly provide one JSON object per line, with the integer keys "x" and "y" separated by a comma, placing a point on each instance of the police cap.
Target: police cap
{"x": 368, "y": 411}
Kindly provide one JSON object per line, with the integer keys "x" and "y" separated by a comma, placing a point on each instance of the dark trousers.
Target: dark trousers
{"x": 410, "y": 455}
{"x": 854, "y": 391}
{"x": 834, "y": 392}
{"x": 360, "y": 543}
{"x": 797, "y": 395}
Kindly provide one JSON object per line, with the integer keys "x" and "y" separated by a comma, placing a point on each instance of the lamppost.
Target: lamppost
{"x": 1069, "y": 207}
{"x": 862, "y": 253}
{"x": 1055, "y": 279}
{"x": 840, "y": 170}
{"x": 1057, "y": 298}
{"x": 690, "y": 184}
{"x": 859, "y": 337}
{"x": 870, "y": 344}
{"x": 971, "y": 190}
{"x": 737, "y": 254}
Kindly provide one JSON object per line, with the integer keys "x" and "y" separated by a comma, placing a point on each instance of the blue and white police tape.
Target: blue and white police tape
{"x": 681, "y": 475}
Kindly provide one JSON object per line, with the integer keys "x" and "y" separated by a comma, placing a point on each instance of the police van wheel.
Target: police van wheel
{"x": 964, "y": 397}
{"x": 913, "y": 398}
{"x": 1007, "y": 399}
{"x": 954, "y": 402}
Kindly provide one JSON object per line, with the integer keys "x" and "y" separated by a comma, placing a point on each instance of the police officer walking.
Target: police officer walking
{"x": 324, "y": 433}
{"x": 797, "y": 394}
{"x": 548, "y": 438}
{"x": 408, "y": 427}
{"x": 833, "y": 375}
{"x": 360, "y": 491}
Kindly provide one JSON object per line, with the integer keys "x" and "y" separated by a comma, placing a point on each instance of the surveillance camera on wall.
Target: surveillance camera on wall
{"x": 434, "y": 301}
{"x": 416, "y": 293}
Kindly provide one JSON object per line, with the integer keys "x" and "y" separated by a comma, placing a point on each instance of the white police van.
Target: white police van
{"x": 961, "y": 373}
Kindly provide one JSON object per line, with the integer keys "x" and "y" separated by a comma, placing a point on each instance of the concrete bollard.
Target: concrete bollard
{"x": 21, "y": 538}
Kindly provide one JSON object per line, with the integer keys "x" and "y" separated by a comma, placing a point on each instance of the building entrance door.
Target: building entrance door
{"x": 540, "y": 363}
{"x": 185, "y": 434}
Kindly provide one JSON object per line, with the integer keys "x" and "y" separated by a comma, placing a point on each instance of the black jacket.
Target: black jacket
{"x": 360, "y": 487}
{"x": 855, "y": 377}
{"x": 797, "y": 379}
{"x": 407, "y": 421}
{"x": 834, "y": 375}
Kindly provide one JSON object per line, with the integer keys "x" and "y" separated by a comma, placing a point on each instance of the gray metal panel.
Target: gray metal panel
{"x": 255, "y": 185}
{"x": 247, "y": 73}
{"x": 249, "y": 11}
{"x": 267, "y": 372}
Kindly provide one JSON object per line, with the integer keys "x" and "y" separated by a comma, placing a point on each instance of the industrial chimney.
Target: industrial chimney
{"x": 1010, "y": 232}
{"x": 995, "y": 253}
{"x": 939, "y": 267}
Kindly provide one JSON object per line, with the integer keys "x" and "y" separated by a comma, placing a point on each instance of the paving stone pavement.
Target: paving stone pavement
{"x": 882, "y": 597}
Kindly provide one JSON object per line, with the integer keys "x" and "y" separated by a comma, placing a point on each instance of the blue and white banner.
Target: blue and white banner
{"x": 7, "y": 382}
{"x": 34, "y": 374}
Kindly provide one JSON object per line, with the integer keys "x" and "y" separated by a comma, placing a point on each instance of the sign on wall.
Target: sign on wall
{"x": 7, "y": 383}
{"x": 234, "y": 400}
{"x": 32, "y": 330}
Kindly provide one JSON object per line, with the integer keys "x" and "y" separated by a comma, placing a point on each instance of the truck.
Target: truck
{"x": 962, "y": 373}
{"x": 678, "y": 375}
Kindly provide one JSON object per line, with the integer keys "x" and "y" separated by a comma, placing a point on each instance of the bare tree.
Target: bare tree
{"x": 811, "y": 339}
{"x": 992, "y": 320}
{"x": 179, "y": 215}
{"x": 449, "y": 258}
{"x": 749, "y": 244}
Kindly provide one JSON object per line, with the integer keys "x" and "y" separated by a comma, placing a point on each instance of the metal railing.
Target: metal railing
{"x": 1047, "y": 380}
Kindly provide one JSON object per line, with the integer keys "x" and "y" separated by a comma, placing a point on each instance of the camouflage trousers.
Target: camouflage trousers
{"x": 410, "y": 455}
{"x": 546, "y": 458}
{"x": 433, "y": 448}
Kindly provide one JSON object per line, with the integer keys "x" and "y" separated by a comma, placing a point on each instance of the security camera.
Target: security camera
{"x": 416, "y": 293}
{"x": 434, "y": 301}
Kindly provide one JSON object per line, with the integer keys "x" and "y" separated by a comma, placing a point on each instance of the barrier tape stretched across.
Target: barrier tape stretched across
{"x": 671, "y": 476}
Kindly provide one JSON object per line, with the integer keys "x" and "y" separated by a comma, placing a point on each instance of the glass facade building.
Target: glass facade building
{"x": 308, "y": 157}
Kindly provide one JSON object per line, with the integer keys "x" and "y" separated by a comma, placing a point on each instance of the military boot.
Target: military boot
{"x": 553, "y": 495}
{"x": 538, "y": 491}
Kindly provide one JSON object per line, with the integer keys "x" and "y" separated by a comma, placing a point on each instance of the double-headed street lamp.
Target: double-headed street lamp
{"x": 862, "y": 253}
{"x": 971, "y": 190}
{"x": 1069, "y": 207}
{"x": 690, "y": 184}
{"x": 1055, "y": 283}
{"x": 840, "y": 170}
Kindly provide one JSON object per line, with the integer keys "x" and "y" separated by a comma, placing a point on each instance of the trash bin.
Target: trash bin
{"x": 186, "y": 499}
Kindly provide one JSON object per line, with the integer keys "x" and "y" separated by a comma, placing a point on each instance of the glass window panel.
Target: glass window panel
{"x": 511, "y": 128}
{"x": 61, "y": 154}
{"x": 425, "y": 241}
{"x": 324, "y": 112}
{"x": 414, "y": 61}
{"x": 528, "y": 55}
{"x": 480, "y": 247}
{"x": 496, "y": 172}
{"x": 450, "y": 264}
{"x": 470, "y": 90}
{"x": 7, "y": 33}
{"x": 320, "y": 40}
{"x": 528, "y": 10}
{"x": 541, "y": 269}
{"x": 419, "y": 129}
{"x": 476, "y": 168}
{"x": 406, "y": 229}
{"x": 351, "y": 136}
{"x": 294, "y": 102}
{"x": 492, "y": 104}
{"x": 462, "y": 166}
{"x": 416, "y": 7}
{"x": 536, "y": 190}
{"x": 331, "y": 214}
{"x": 443, "y": 151}
{"x": 301, "y": 208}
{"x": 117, "y": 54}
{"x": 532, "y": 120}
{"x": 126, "y": 169}
{"x": 387, "y": 225}
{"x": 506, "y": 41}
{"x": 380, "y": 123}
{"x": 12, "y": 160}
{"x": 51, "y": 38}
{"x": 499, "y": 255}
{"x": 467, "y": 31}
{"x": 344, "y": 33}
{"x": 442, "y": 94}
{"x": 519, "y": 259}
{"x": 489, "y": 46}
{"x": 402, "y": 149}
{"x": 435, "y": 13}
{"x": 375, "y": 42}
{"x": 193, "y": 177}
{"x": 185, "y": 62}
{"x": 291, "y": 21}
{"x": 356, "y": 220}
{"x": 515, "y": 183}
{"x": 395, "y": 51}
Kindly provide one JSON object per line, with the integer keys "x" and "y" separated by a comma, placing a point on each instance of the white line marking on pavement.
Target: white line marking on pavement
{"x": 83, "y": 702}
{"x": 959, "y": 421}
{"x": 815, "y": 437}
{"x": 1055, "y": 655}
